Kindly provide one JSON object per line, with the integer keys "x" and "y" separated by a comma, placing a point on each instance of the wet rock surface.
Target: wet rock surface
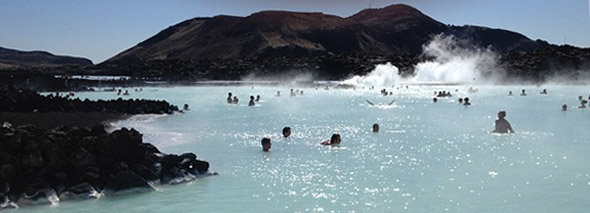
{"x": 42, "y": 166}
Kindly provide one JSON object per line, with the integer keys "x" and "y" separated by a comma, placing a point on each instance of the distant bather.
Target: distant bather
{"x": 502, "y": 125}
{"x": 265, "y": 144}
{"x": 335, "y": 140}
{"x": 375, "y": 128}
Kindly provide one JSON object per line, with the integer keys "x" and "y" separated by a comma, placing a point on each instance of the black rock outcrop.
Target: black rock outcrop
{"x": 22, "y": 100}
{"x": 39, "y": 166}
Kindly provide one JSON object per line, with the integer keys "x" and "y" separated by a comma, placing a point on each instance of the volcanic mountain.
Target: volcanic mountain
{"x": 396, "y": 29}
{"x": 10, "y": 58}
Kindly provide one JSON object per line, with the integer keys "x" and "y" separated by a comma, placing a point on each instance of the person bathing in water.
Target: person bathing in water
{"x": 265, "y": 144}
{"x": 335, "y": 140}
{"x": 229, "y": 99}
{"x": 375, "y": 128}
{"x": 502, "y": 125}
{"x": 583, "y": 104}
{"x": 466, "y": 101}
{"x": 251, "y": 103}
{"x": 286, "y": 132}
{"x": 544, "y": 92}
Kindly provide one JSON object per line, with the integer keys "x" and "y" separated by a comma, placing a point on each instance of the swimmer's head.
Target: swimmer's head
{"x": 501, "y": 114}
{"x": 335, "y": 139}
{"x": 564, "y": 107}
{"x": 229, "y": 94}
{"x": 286, "y": 132}
{"x": 434, "y": 100}
{"x": 265, "y": 144}
{"x": 251, "y": 97}
{"x": 460, "y": 100}
{"x": 375, "y": 127}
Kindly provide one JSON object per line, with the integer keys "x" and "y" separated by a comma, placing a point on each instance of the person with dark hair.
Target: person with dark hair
{"x": 251, "y": 103}
{"x": 334, "y": 140}
{"x": 265, "y": 144}
{"x": 434, "y": 100}
{"x": 583, "y": 104}
{"x": 564, "y": 107}
{"x": 502, "y": 125}
{"x": 229, "y": 98}
{"x": 523, "y": 93}
{"x": 286, "y": 132}
{"x": 235, "y": 101}
{"x": 257, "y": 98}
{"x": 375, "y": 128}
{"x": 544, "y": 92}
{"x": 466, "y": 101}
{"x": 460, "y": 100}
{"x": 510, "y": 93}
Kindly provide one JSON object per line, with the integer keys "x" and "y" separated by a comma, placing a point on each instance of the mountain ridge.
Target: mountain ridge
{"x": 395, "y": 29}
{"x": 11, "y": 58}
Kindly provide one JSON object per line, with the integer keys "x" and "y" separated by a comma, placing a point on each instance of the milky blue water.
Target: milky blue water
{"x": 428, "y": 157}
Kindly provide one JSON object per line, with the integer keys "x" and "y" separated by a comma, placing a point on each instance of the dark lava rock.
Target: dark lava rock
{"x": 81, "y": 158}
{"x": 19, "y": 100}
{"x": 38, "y": 192}
{"x": 77, "y": 162}
{"x": 144, "y": 172}
{"x": 33, "y": 160}
{"x": 80, "y": 191}
{"x": 127, "y": 180}
{"x": 11, "y": 142}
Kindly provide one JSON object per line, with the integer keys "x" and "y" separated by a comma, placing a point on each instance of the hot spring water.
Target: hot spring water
{"x": 427, "y": 157}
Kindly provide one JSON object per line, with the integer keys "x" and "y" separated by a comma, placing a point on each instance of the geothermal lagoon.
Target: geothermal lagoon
{"x": 427, "y": 157}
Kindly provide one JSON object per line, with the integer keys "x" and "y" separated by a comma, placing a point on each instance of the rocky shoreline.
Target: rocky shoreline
{"x": 43, "y": 166}
{"x": 40, "y": 165}
{"x": 22, "y": 100}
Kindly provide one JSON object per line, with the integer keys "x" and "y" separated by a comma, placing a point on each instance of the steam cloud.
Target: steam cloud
{"x": 383, "y": 75}
{"x": 453, "y": 61}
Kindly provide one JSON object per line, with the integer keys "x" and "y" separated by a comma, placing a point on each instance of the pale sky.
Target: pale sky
{"x": 99, "y": 30}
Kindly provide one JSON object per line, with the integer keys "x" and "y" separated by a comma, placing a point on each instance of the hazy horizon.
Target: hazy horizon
{"x": 100, "y": 30}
